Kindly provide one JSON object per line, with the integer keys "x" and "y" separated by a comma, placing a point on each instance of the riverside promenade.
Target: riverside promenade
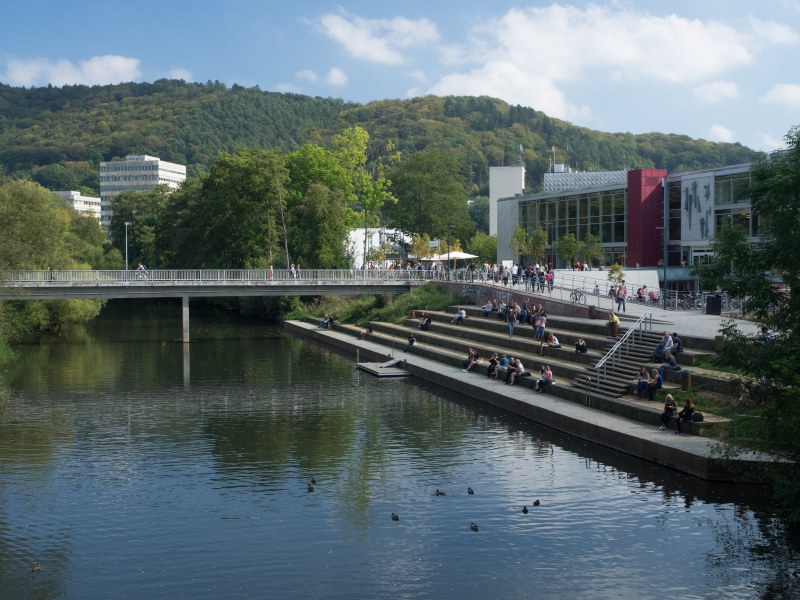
{"x": 690, "y": 454}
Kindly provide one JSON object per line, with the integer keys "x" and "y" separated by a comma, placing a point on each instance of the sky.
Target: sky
{"x": 720, "y": 70}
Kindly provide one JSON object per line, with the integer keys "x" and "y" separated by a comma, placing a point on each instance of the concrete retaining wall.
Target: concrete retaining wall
{"x": 688, "y": 454}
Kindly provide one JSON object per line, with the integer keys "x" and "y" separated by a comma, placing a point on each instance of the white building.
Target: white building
{"x": 136, "y": 173}
{"x": 391, "y": 240}
{"x": 86, "y": 205}
{"x": 504, "y": 182}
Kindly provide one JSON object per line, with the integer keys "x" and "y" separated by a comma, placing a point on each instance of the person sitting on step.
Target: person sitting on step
{"x": 472, "y": 360}
{"x": 460, "y": 316}
{"x": 550, "y": 340}
{"x": 502, "y": 366}
{"x": 655, "y": 383}
{"x": 412, "y": 341}
{"x": 425, "y": 322}
{"x": 492, "y": 370}
{"x": 686, "y": 415}
{"x": 642, "y": 379}
{"x": 519, "y": 371}
{"x": 670, "y": 406}
{"x": 580, "y": 346}
{"x": 545, "y": 378}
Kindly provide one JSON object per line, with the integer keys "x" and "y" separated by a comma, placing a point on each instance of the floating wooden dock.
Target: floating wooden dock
{"x": 385, "y": 369}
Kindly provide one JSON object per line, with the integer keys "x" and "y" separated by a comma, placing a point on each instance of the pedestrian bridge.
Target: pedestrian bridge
{"x": 203, "y": 283}
{"x": 200, "y": 283}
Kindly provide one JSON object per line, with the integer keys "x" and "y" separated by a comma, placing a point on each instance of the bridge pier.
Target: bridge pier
{"x": 185, "y": 305}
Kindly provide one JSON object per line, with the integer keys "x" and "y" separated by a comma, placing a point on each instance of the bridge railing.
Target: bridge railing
{"x": 58, "y": 278}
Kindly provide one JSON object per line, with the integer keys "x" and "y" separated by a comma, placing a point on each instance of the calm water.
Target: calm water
{"x": 128, "y": 477}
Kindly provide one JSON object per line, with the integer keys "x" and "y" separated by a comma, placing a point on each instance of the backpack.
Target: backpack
{"x": 697, "y": 417}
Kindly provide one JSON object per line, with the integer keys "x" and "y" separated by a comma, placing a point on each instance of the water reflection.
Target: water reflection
{"x": 117, "y": 476}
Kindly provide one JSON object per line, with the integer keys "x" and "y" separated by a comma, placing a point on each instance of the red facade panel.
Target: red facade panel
{"x": 645, "y": 215}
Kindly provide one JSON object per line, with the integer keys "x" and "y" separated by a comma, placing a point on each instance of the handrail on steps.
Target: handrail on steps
{"x": 644, "y": 323}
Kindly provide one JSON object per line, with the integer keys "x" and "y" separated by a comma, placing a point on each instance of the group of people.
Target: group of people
{"x": 648, "y": 383}
{"x": 510, "y": 369}
{"x": 686, "y": 415}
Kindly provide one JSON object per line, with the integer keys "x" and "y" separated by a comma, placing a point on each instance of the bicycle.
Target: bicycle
{"x": 577, "y": 295}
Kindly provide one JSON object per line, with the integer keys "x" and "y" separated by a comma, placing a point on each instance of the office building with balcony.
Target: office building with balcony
{"x": 136, "y": 173}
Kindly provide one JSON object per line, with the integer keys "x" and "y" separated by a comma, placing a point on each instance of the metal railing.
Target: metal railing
{"x": 623, "y": 345}
{"x": 49, "y": 278}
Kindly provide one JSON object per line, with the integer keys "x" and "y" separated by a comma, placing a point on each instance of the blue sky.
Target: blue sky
{"x": 721, "y": 70}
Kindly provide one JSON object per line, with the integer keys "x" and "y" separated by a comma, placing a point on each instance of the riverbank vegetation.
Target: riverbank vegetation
{"x": 39, "y": 231}
{"x": 363, "y": 309}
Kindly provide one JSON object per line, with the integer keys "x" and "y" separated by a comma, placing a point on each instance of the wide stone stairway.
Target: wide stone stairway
{"x": 610, "y": 389}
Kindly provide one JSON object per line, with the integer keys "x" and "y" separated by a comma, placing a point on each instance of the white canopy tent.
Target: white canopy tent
{"x": 454, "y": 255}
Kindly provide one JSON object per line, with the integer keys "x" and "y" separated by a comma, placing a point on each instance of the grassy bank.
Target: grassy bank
{"x": 389, "y": 308}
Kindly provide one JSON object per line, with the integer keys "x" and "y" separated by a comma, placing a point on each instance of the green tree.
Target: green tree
{"x": 479, "y": 213}
{"x": 240, "y": 218}
{"x": 485, "y": 246}
{"x": 144, "y": 211}
{"x": 320, "y": 229}
{"x": 319, "y": 215}
{"x": 766, "y": 275}
{"x": 33, "y": 223}
{"x": 567, "y": 248}
{"x": 537, "y": 243}
{"x": 431, "y": 197}
{"x": 616, "y": 274}
{"x": 519, "y": 242}
{"x": 368, "y": 185}
{"x": 38, "y": 231}
{"x": 591, "y": 251}
{"x": 420, "y": 246}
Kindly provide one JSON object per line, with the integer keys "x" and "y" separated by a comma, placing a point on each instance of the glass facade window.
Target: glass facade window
{"x": 603, "y": 214}
{"x": 731, "y": 189}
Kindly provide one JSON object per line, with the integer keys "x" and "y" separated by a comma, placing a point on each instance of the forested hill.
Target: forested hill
{"x": 58, "y": 135}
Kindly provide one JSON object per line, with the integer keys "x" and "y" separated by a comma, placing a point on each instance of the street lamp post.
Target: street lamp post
{"x": 664, "y": 232}
{"x": 127, "y": 224}
{"x": 449, "y": 229}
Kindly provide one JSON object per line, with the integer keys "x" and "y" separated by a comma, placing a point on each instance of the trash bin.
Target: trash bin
{"x": 714, "y": 305}
{"x": 686, "y": 380}
{"x": 613, "y": 328}
{"x": 592, "y": 311}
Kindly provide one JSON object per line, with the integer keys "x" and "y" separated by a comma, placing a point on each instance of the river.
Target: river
{"x": 131, "y": 470}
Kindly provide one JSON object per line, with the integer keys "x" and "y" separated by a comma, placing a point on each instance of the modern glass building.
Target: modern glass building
{"x": 630, "y": 212}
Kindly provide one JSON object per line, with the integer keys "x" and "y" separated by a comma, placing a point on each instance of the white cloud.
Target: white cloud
{"x": 530, "y": 55}
{"x": 777, "y": 33}
{"x": 98, "y": 70}
{"x": 179, "y": 73}
{"x": 784, "y": 93}
{"x": 418, "y": 75}
{"x": 512, "y": 83}
{"x": 770, "y": 143}
{"x": 720, "y": 133}
{"x": 717, "y": 91}
{"x": 337, "y": 77}
{"x": 288, "y": 88}
{"x": 378, "y": 40}
{"x": 307, "y": 75}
